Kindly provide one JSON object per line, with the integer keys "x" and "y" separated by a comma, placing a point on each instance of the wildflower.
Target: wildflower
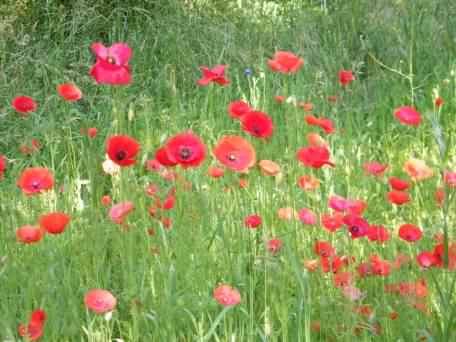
{"x": 69, "y": 92}
{"x": 100, "y": 301}
{"x": 34, "y": 330}
{"x": 378, "y": 233}
{"x": 375, "y": 168}
{"x": 215, "y": 172}
{"x": 408, "y": 116}
{"x": 314, "y": 156}
{"x": 216, "y": 74}
{"x": 398, "y": 197}
{"x": 35, "y": 180}
{"x": 410, "y": 232}
{"x": 269, "y": 168}
{"x": 92, "y": 132}
{"x": 307, "y": 216}
{"x": 417, "y": 169}
{"x": 274, "y": 246}
{"x": 237, "y": 109}
{"x": 332, "y": 222}
{"x": 357, "y": 226}
{"x": 227, "y": 295}
{"x": 186, "y": 149}
{"x": 258, "y": 124}
{"x": 118, "y": 212}
{"x": 308, "y": 183}
{"x": 54, "y": 223}
{"x": 235, "y": 152}
{"x": 122, "y": 149}
{"x": 285, "y": 62}
{"x": 24, "y": 105}
{"x": 111, "y": 65}
{"x": 346, "y": 77}
{"x": 29, "y": 234}
{"x": 326, "y": 124}
{"x": 253, "y": 221}
{"x": 398, "y": 184}
{"x": 2, "y": 165}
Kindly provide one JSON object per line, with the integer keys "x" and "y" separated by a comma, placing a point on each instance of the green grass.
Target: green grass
{"x": 168, "y": 297}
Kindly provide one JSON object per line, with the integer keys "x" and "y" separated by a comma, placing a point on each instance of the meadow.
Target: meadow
{"x": 227, "y": 170}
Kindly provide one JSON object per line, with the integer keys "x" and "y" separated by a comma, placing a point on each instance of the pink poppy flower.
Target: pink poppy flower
{"x": 216, "y": 74}
{"x": 375, "y": 168}
{"x": 449, "y": 178}
{"x": 118, "y": 212}
{"x": 100, "y": 301}
{"x": 227, "y": 295}
{"x": 307, "y": 216}
{"x": 111, "y": 66}
{"x": 408, "y": 116}
{"x": 427, "y": 259}
{"x": 29, "y": 234}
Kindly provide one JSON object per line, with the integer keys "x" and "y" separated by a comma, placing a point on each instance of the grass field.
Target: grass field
{"x": 187, "y": 234}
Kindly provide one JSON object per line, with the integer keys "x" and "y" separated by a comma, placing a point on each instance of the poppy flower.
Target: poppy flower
{"x": 346, "y": 77}
{"x": 238, "y": 108}
{"x": 398, "y": 197}
{"x": 29, "y": 234}
{"x": 280, "y": 98}
{"x": 92, "y": 132}
{"x": 307, "y": 216}
{"x": 186, "y": 149}
{"x": 235, "y": 153}
{"x": 227, "y": 295}
{"x": 380, "y": 267}
{"x": 438, "y": 102}
{"x": 374, "y": 168}
{"x": 378, "y": 233}
{"x": 122, "y": 149}
{"x": 161, "y": 155}
{"x": 308, "y": 183}
{"x": 100, "y": 301}
{"x": 326, "y": 124}
{"x": 2, "y": 165}
{"x": 216, "y": 74}
{"x": 342, "y": 279}
{"x": 258, "y": 124}
{"x": 274, "y": 246}
{"x": 253, "y": 221}
{"x": 118, "y": 212}
{"x": 35, "y": 180}
{"x": 54, "y": 223}
{"x": 286, "y": 213}
{"x": 398, "y": 184}
{"x": 324, "y": 249}
{"x": 34, "y": 330}
{"x": 439, "y": 196}
{"x": 356, "y": 207}
{"x": 352, "y": 293}
{"x": 449, "y": 178}
{"x": 24, "y": 104}
{"x": 338, "y": 203}
{"x": 332, "y": 222}
{"x": 417, "y": 169}
{"x": 111, "y": 65}
{"x": 106, "y": 200}
{"x": 306, "y": 106}
{"x": 408, "y": 116}
{"x": 215, "y": 172}
{"x": 269, "y": 168}
{"x": 285, "y": 62}
{"x": 69, "y": 92}
{"x": 314, "y": 156}
{"x": 426, "y": 259}
{"x": 315, "y": 139}
{"x": 357, "y": 226}
{"x": 410, "y": 232}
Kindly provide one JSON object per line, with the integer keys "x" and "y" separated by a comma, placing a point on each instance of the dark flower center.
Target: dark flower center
{"x": 111, "y": 60}
{"x": 35, "y": 184}
{"x": 121, "y": 155}
{"x": 231, "y": 157}
{"x": 355, "y": 229}
{"x": 185, "y": 153}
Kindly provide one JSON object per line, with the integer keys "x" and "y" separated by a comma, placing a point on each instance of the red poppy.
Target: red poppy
{"x": 238, "y": 108}
{"x": 378, "y": 233}
{"x": 118, "y": 212}
{"x": 398, "y": 197}
{"x": 285, "y": 62}
{"x": 269, "y": 168}
{"x": 438, "y": 102}
{"x": 280, "y": 98}
{"x": 69, "y": 92}
{"x": 449, "y": 178}
{"x": 34, "y": 329}
{"x": 253, "y": 221}
{"x": 54, "y": 223}
{"x": 427, "y": 259}
{"x": 357, "y": 226}
{"x": 100, "y": 301}
{"x": 314, "y": 156}
{"x": 324, "y": 249}
{"x": 343, "y": 279}
{"x": 92, "y": 132}
{"x": 2, "y": 165}
{"x": 346, "y": 77}
{"x": 227, "y": 295}
{"x": 274, "y": 245}
{"x": 439, "y": 196}
{"x": 29, "y": 234}
{"x": 408, "y": 116}
{"x": 215, "y": 172}
{"x": 379, "y": 267}
{"x": 315, "y": 139}
{"x": 338, "y": 203}
{"x": 169, "y": 202}
{"x": 308, "y": 183}
{"x": 258, "y": 124}
{"x": 106, "y": 200}
{"x": 186, "y": 149}
{"x": 216, "y": 74}
{"x": 161, "y": 155}
{"x": 307, "y": 216}
{"x": 35, "y": 180}
{"x": 356, "y": 207}
{"x": 111, "y": 66}
{"x": 332, "y": 222}
{"x": 24, "y": 104}
{"x": 326, "y": 124}
{"x": 375, "y": 168}
{"x": 235, "y": 153}
{"x": 122, "y": 149}
{"x": 398, "y": 184}
{"x": 306, "y": 106}
{"x": 410, "y": 232}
